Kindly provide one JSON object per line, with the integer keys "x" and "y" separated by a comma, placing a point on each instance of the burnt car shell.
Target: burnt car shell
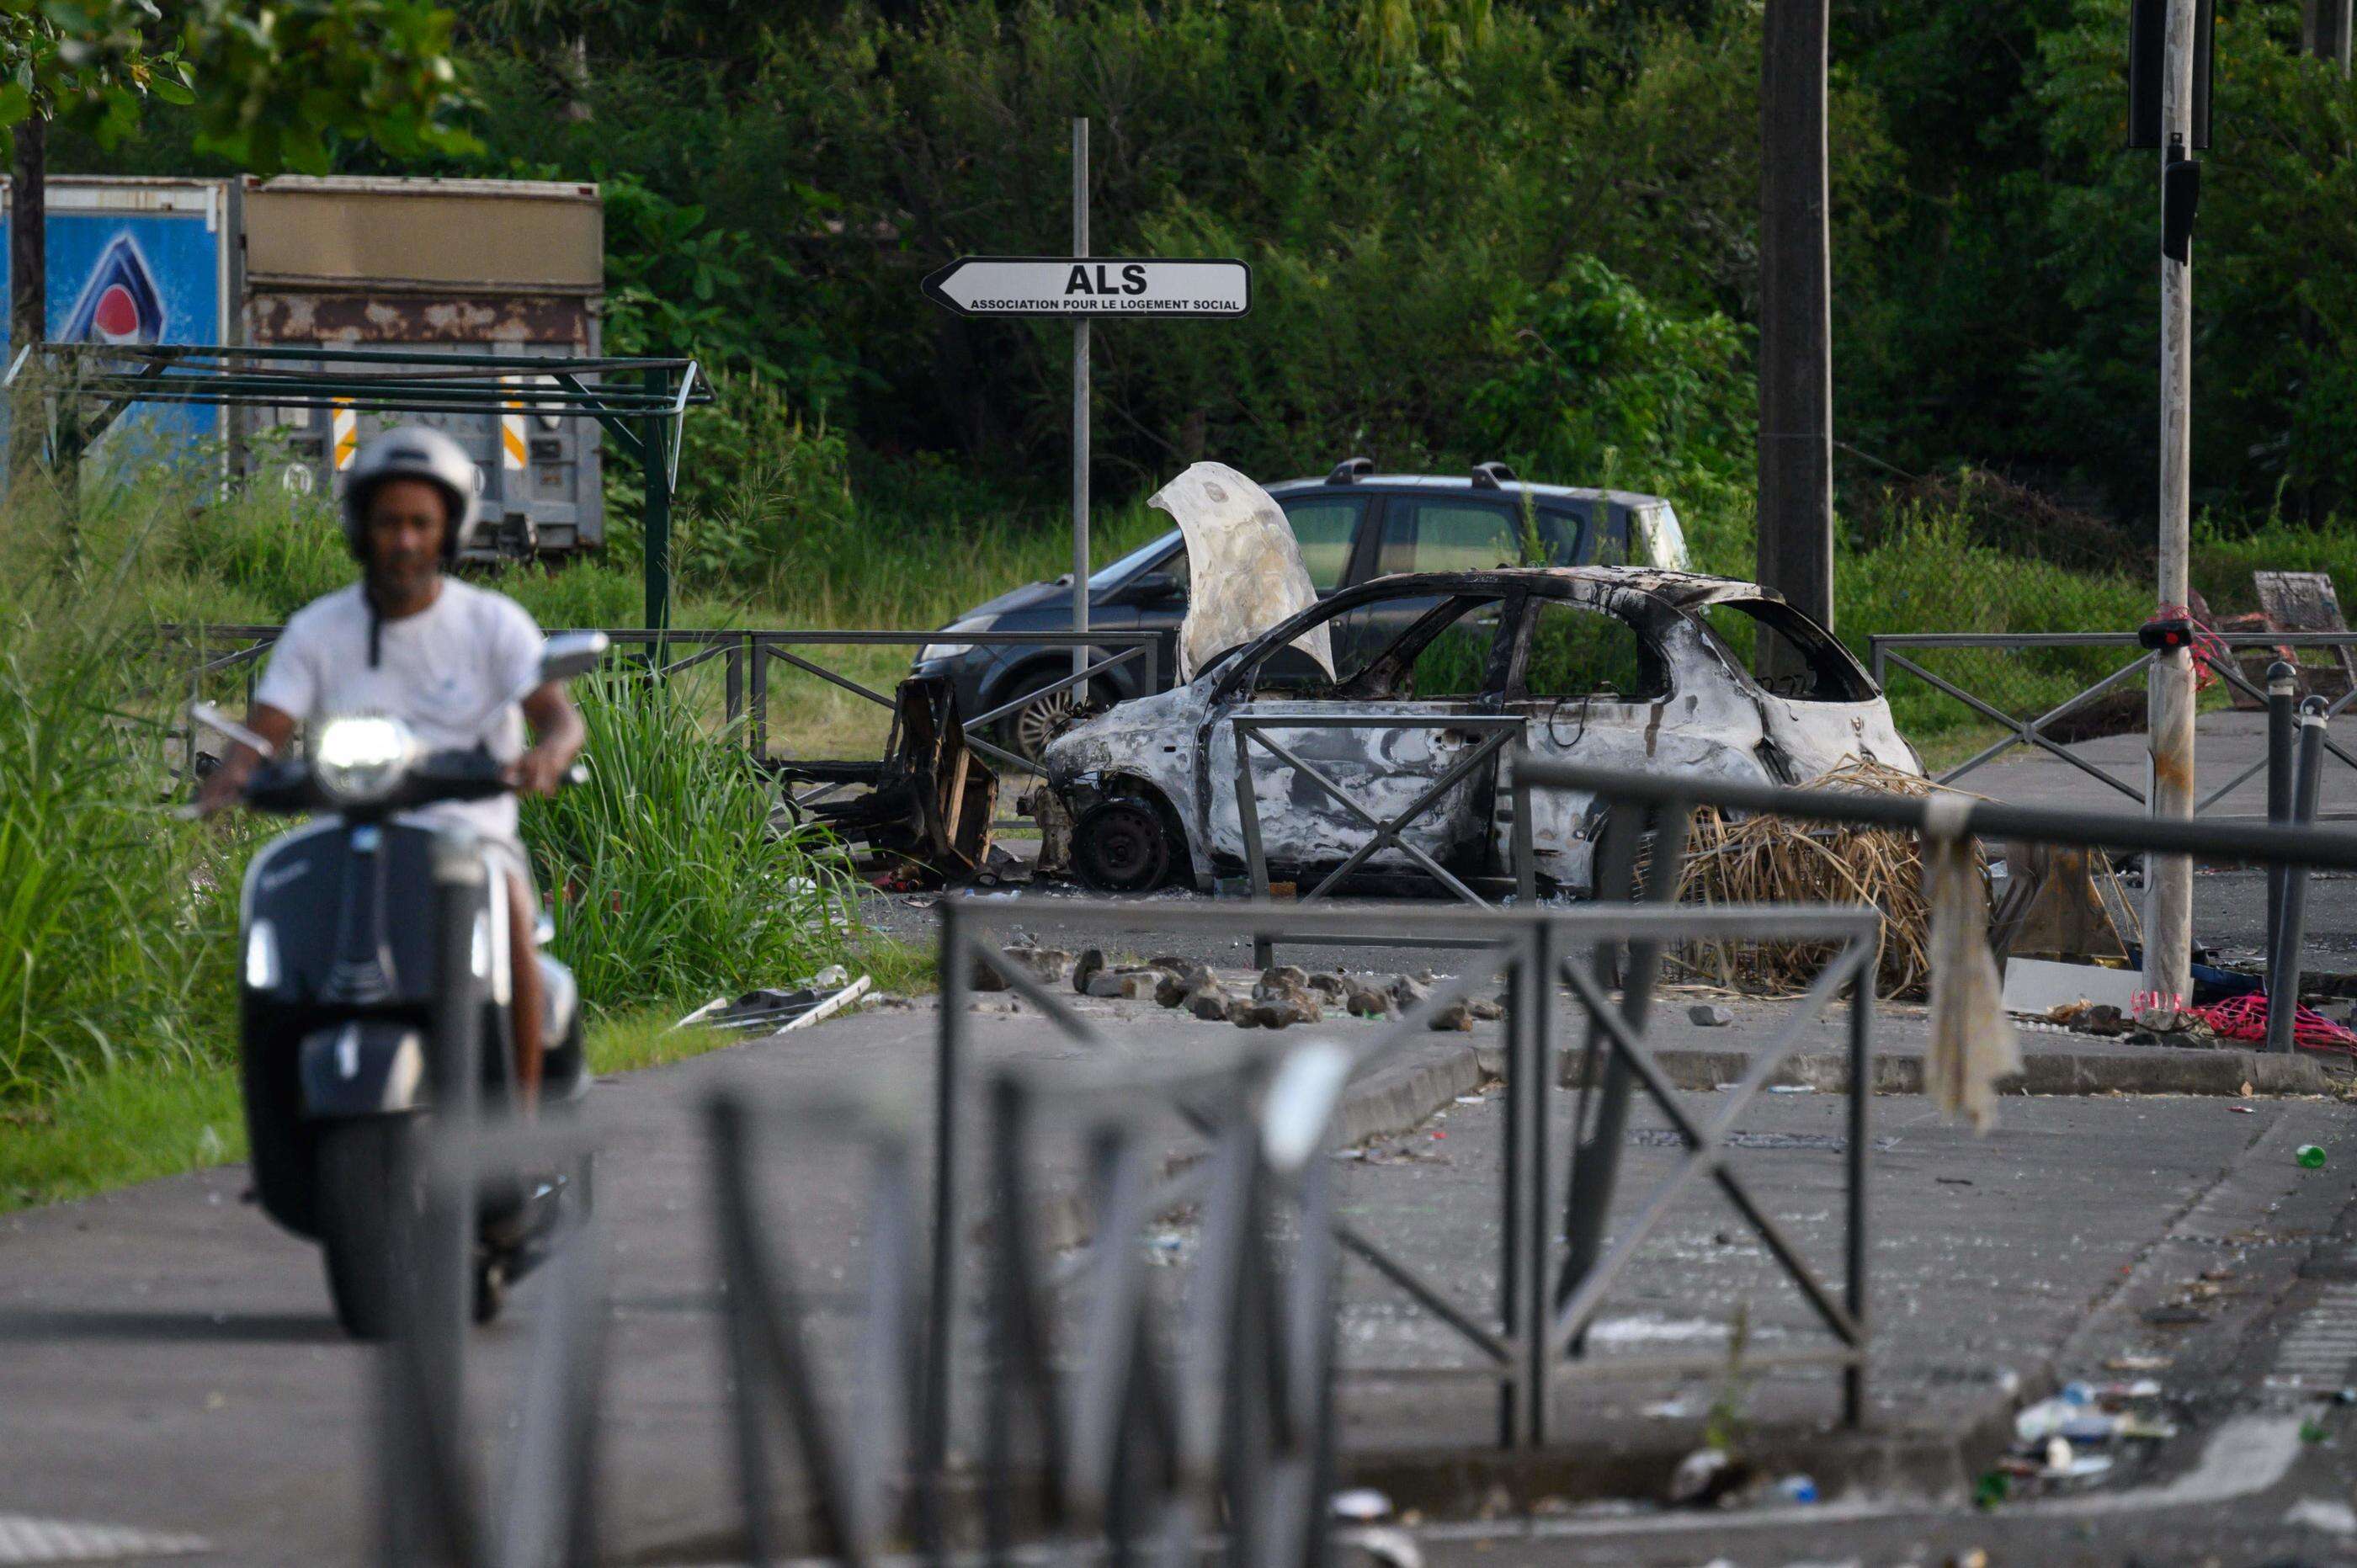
{"x": 1702, "y": 711}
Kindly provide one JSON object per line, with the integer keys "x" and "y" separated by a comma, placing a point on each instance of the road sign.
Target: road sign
{"x": 1092, "y": 286}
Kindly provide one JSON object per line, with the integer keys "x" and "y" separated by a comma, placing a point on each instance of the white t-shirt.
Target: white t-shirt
{"x": 447, "y": 673}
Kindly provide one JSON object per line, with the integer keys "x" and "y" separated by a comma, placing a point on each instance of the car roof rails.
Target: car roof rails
{"x": 1491, "y": 476}
{"x": 1350, "y": 470}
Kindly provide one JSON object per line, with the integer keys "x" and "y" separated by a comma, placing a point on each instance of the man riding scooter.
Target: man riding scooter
{"x": 411, "y": 643}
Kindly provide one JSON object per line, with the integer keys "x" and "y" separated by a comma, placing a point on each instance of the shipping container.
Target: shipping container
{"x": 432, "y": 265}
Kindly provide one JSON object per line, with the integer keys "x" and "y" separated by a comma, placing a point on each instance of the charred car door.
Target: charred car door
{"x": 1618, "y": 680}
{"x": 1449, "y": 660}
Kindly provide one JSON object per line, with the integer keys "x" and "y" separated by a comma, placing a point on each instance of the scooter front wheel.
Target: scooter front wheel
{"x": 366, "y": 1171}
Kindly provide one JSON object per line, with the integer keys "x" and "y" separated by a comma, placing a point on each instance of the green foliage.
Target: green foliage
{"x": 115, "y": 922}
{"x": 270, "y": 87}
{"x": 1601, "y": 382}
{"x": 670, "y": 880}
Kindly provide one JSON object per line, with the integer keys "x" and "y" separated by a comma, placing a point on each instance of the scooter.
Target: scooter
{"x": 351, "y": 1029}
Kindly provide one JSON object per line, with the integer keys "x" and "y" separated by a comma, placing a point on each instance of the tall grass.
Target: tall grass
{"x": 670, "y": 879}
{"x": 113, "y": 918}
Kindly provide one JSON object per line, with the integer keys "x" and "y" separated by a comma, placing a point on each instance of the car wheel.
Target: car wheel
{"x": 1121, "y": 845}
{"x": 1027, "y": 731}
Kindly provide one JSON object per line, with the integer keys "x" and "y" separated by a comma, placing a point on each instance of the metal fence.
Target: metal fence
{"x": 1253, "y": 730}
{"x": 746, "y": 659}
{"x": 1552, "y": 1282}
{"x": 1906, "y": 653}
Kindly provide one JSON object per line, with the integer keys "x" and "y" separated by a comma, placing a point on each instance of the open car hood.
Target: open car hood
{"x": 1243, "y": 566}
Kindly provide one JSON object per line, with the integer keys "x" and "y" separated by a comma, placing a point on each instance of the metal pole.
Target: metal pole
{"x": 2283, "y": 973}
{"x": 1080, "y": 409}
{"x": 941, "y": 1323}
{"x": 2283, "y": 724}
{"x": 1861, "y": 1110}
{"x": 655, "y": 443}
{"x": 1595, "y": 1166}
{"x": 1796, "y": 493}
{"x": 2168, "y": 893}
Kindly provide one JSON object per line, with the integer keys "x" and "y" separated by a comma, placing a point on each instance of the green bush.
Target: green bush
{"x": 670, "y": 880}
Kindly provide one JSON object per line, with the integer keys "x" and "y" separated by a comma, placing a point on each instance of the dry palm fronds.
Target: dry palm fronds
{"x": 1775, "y": 860}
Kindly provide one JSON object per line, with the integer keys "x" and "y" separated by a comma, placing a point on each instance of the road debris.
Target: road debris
{"x": 1709, "y": 1015}
{"x": 926, "y": 817}
{"x": 774, "y": 1011}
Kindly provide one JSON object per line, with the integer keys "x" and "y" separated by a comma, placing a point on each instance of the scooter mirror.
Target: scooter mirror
{"x": 572, "y": 653}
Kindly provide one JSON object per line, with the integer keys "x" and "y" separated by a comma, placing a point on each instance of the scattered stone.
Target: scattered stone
{"x": 1091, "y": 961}
{"x": 1171, "y": 962}
{"x": 1709, "y": 1015}
{"x": 1126, "y": 985}
{"x": 1171, "y": 989}
{"x": 1486, "y": 1010}
{"x": 1407, "y": 991}
{"x": 1330, "y": 986}
{"x": 1369, "y": 1001}
{"x": 1207, "y": 999}
{"x": 1291, "y": 976}
{"x": 1240, "y": 1013}
{"x": 1050, "y": 965}
{"x": 1454, "y": 1018}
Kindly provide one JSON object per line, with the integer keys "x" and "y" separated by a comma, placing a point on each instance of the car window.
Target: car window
{"x": 1453, "y": 664}
{"x": 1121, "y": 570}
{"x": 1325, "y": 528}
{"x": 1787, "y": 653}
{"x": 1392, "y": 649}
{"x": 1455, "y": 535}
{"x": 1573, "y": 650}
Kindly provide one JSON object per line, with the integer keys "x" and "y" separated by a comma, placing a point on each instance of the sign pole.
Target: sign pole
{"x": 2168, "y": 915}
{"x": 1080, "y": 410}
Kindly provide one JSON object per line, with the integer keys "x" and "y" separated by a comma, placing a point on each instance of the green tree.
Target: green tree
{"x": 271, "y": 86}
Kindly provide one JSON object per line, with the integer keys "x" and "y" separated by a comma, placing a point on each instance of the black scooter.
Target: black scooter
{"x": 355, "y": 1017}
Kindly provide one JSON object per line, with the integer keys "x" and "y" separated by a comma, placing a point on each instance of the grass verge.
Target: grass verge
{"x": 133, "y": 1125}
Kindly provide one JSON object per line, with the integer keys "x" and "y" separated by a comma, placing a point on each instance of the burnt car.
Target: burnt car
{"x": 1352, "y": 526}
{"x": 1620, "y": 667}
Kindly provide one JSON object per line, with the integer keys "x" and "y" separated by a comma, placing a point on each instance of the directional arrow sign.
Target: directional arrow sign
{"x": 1092, "y": 286}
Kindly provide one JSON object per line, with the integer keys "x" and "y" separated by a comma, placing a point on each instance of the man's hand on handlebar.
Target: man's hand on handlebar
{"x": 539, "y": 771}
{"x": 225, "y": 784}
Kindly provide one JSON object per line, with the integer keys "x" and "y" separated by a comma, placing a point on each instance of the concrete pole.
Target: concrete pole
{"x": 1796, "y": 380}
{"x": 2325, "y": 28}
{"x": 1080, "y": 410}
{"x": 28, "y": 287}
{"x": 2169, "y": 891}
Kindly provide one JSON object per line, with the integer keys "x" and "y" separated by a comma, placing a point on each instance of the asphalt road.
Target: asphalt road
{"x": 171, "y": 1366}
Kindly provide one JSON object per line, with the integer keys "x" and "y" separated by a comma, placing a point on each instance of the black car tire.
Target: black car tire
{"x": 1027, "y": 731}
{"x": 1124, "y": 846}
{"x": 365, "y": 1169}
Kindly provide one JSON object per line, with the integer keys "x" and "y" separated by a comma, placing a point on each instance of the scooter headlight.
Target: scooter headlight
{"x": 361, "y": 760}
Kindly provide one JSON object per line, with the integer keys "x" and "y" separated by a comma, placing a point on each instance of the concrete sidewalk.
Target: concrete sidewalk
{"x": 171, "y": 1364}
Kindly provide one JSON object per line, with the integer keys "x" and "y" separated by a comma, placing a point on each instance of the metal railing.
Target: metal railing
{"x": 1898, "y": 650}
{"x": 1543, "y": 1305}
{"x": 1671, "y": 797}
{"x": 1252, "y": 730}
{"x": 746, "y": 657}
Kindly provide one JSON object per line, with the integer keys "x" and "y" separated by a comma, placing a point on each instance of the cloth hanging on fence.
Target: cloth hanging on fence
{"x": 1973, "y": 1046}
{"x": 2244, "y": 1019}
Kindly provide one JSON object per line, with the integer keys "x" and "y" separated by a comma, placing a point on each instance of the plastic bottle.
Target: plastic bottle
{"x": 2310, "y": 1157}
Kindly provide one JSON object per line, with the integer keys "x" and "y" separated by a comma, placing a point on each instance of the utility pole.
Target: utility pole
{"x": 28, "y": 285}
{"x": 2168, "y": 892}
{"x": 2325, "y": 26}
{"x": 1080, "y": 410}
{"x": 1796, "y": 376}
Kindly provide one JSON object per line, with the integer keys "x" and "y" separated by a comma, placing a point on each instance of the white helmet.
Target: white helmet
{"x": 412, "y": 452}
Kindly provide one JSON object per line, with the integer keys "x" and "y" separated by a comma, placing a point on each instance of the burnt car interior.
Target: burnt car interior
{"x": 1443, "y": 654}
{"x": 1787, "y": 653}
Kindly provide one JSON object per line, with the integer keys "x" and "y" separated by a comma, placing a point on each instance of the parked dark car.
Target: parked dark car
{"x": 1353, "y": 526}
